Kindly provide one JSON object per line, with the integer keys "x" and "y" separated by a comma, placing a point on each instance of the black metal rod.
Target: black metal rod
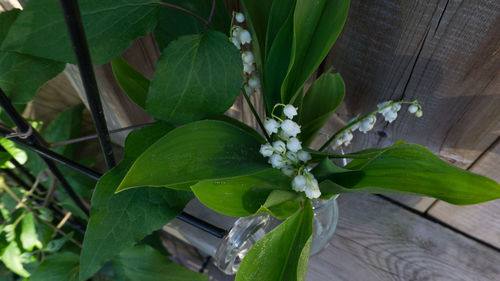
{"x": 47, "y": 153}
{"x": 73, "y": 18}
{"x": 33, "y": 141}
{"x": 203, "y": 225}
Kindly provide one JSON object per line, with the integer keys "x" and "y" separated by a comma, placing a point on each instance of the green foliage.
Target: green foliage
{"x": 173, "y": 23}
{"x": 29, "y": 236}
{"x": 59, "y": 267}
{"x": 132, "y": 82}
{"x": 203, "y": 150}
{"x": 240, "y": 196}
{"x": 283, "y": 254}
{"x": 146, "y": 264}
{"x": 319, "y": 103}
{"x": 117, "y": 221}
{"x": 317, "y": 24}
{"x": 12, "y": 259}
{"x": 110, "y": 26}
{"x": 197, "y": 76}
{"x": 21, "y": 75}
{"x": 17, "y": 153}
{"x": 412, "y": 169}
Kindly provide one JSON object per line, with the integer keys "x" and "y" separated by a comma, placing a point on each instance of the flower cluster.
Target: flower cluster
{"x": 240, "y": 37}
{"x": 286, "y": 152}
{"x": 389, "y": 110}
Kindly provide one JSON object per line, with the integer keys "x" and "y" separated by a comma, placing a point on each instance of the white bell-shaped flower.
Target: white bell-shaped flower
{"x": 279, "y": 146}
{"x": 236, "y": 42}
{"x": 294, "y": 145}
{"x": 367, "y": 124}
{"x": 266, "y": 150}
{"x": 290, "y": 128}
{"x": 249, "y": 90}
{"x": 355, "y": 126}
{"x": 245, "y": 37}
{"x": 299, "y": 183}
{"x": 347, "y": 137}
{"x": 254, "y": 82}
{"x": 277, "y": 161}
{"x": 248, "y": 68}
{"x": 290, "y": 111}
{"x": 312, "y": 188}
{"x": 304, "y": 156}
{"x": 292, "y": 156}
{"x": 271, "y": 126}
{"x": 247, "y": 57}
{"x": 288, "y": 170}
{"x": 412, "y": 109}
{"x": 240, "y": 17}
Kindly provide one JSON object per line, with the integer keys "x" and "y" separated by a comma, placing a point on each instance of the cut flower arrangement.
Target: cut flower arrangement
{"x": 209, "y": 57}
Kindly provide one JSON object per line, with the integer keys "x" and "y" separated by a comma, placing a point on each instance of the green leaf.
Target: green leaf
{"x": 132, "y": 82}
{"x": 117, "y": 221}
{"x": 22, "y": 75}
{"x": 279, "y": 53}
{"x": 203, "y": 150}
{"x": 240, "y": 196}
{"x": 57, "y": 267}
{"x": 146, "y": 264}
{"x": 29, "y": 236}
{"x": 173, "y": 23}
{"x": 319, "y": 103}
{"x": 196, "y": 76}
{"x": 257, "y": 17}
{"x": 282, "y": 204}
{"x": 110, "y": 26}
{"x": 4, "y": 157}
{"x": 11, "y": 257}
{"x": 283, "y": 254}
{"x": 413, "y": 169}
{"x": 56, "y": 244}
{"x": 317, "y": 24}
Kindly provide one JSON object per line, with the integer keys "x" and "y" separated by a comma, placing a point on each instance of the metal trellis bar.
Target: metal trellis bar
{"x": 76, "y": 31}
{"x": 33, "y": 140}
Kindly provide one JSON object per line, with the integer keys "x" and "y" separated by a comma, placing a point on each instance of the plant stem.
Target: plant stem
{"x": 359, "y": 119}
{"x": 261, "y": 125}
{"x": 207, "y": 23}
{"x": 211, "y": 12}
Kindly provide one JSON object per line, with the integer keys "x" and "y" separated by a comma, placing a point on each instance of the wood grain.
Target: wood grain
{"x": 376, "y": 240}
{"x": 444, "y": 54}
{"x": 481, "y": 221}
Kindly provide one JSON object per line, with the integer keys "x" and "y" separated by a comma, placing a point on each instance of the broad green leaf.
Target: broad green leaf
{"x": 29, "y": 236}
{"x": 56, "y": 244}
{"x": 317, "y": 24}
{"x": 413, "y": 169}
{"x": 203, "y": 150}
{"x": 117, "y": 221}
{"x": 257, "y": 17}
{"x": 283, "y": 254}
{"x": 21, "y": 75}
{"x": 279, "y": 53}
{"x": 110, "y": 26}
{"x": 197, "y": 76}
{"x": 132, "y": 82}
{"x": 319, "y": 103}
{"x": 146, "y": 264}
{"x": 240, "y": 196}
{"x": 173, "y": 23}
{"x": 240, "y": 125}
{"x": 11, "y": 257}
{"x": 282, "y": 204}
{"x": 58, "y": 267}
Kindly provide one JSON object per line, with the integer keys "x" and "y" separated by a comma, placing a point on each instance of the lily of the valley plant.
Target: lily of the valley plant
{"x": 270, "y": 48}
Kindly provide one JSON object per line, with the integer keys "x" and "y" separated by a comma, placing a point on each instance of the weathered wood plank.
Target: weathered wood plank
{"x": 376, "y": 240}
{"x": 481, "y": 221}
{"x": 442, "y": 53}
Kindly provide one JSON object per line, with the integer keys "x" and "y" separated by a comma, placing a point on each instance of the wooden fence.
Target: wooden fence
{"x": 444, "y": 53}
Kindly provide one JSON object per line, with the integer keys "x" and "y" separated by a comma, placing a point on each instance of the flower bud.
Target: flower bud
{"x": 419, "y": 113}
{"x": 290, "y": 111}
{"x": 254, "y": 82}
{"x": 412, "y": 109}
{"x": 240, "y": 17}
